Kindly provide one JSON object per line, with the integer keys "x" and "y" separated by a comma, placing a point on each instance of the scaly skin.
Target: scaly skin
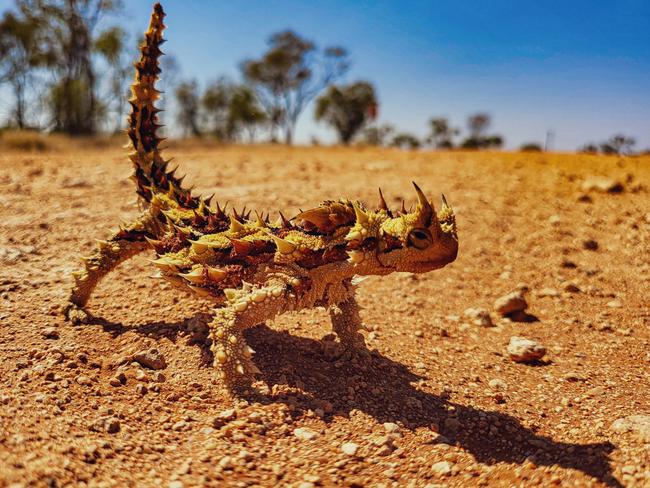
{"x": 254, "y": 270}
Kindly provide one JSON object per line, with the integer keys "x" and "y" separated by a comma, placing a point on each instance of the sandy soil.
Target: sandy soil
{"x": 439, "y": 403}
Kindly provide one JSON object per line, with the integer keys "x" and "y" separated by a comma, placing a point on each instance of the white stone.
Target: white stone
{"x": 522, "y": 350}
{"x": 305, "y": 434}
{"x": 442, "y": 468}
{"x": 350, "y": 448}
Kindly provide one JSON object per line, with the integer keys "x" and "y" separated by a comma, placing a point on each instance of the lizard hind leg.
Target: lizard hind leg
{"x": 232, "y": 355}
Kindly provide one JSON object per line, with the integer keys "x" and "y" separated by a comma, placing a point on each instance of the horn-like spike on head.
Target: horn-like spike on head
{"x": 382, "y": 202}
{"x": 424, "y": 208}
{"x": 235, "y": 225}
{"x": 443, "y": 202}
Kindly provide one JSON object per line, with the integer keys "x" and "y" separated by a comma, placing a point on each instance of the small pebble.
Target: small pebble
{"x": 522, "y": 350}
{"x": 350, "y": 448}
{"x": 305, "y": 434}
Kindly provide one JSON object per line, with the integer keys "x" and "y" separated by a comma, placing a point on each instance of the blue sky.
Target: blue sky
{"x": 579, "y": 68}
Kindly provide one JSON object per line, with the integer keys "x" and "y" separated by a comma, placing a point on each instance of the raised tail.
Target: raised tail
{"x": 151, "y": 170}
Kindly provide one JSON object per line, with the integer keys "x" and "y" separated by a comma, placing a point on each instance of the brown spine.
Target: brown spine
{"x": 151, "y": 175}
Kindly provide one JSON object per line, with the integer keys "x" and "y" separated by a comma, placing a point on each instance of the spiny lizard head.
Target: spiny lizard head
{"x": 419, "y": 241}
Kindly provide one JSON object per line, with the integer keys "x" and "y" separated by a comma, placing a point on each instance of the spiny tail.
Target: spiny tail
{"x": 151, "y": 175}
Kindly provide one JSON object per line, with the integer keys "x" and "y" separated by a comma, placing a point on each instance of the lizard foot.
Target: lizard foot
{"x": 77, "y": 315}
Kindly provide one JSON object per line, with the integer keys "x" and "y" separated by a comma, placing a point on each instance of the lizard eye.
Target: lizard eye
{"x": 420, "y": 238}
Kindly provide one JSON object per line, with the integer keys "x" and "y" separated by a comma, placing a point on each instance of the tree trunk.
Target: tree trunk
{"x": 19, "y": 92}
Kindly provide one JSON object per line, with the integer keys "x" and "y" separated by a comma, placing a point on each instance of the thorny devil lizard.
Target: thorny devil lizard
{"x": 252, "y": 269}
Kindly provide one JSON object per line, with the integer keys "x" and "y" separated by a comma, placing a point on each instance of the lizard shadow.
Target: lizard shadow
{"x": 383, "y": 389}
{"x": 194, "y": 330}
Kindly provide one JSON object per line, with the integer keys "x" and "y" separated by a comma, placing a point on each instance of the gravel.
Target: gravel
{"x": 479, "y": 316}
{"x": 50, "y": 333}
{"x": 151, "y": 359}
{"x": 511, "y": 303}
{"x": 224, "y": 417}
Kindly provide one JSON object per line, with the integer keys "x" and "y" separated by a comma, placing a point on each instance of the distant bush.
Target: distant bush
{"x": 405, "y": 141}
{"x": 376, "y": 135}
{"x": 617, "y": 144}
{"x": 531, "y": 147}
{"x": 23, "y": 140}
{"x": 590, "y": 148}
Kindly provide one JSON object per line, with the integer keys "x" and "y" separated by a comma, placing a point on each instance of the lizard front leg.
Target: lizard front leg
{"x": 346, "y": 323}
{"x": 122, "y": 245}
{"x": 244, "y": 308}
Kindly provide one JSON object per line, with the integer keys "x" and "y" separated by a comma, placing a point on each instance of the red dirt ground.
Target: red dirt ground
{"x": 422, "y": 411}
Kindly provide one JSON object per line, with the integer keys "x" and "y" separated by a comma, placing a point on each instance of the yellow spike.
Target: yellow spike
{"x": 260, "y": 222}
{"x": 356, "y": 257}
{"x": 199, "y": 247}
{"x": 183, "y": 230}
{"x": 361, "y": 216}
{"x": 354, "y": 235}
{"x": 102, "y": 243}
{"x": 153, "y": 242}
{"x": 216, "y": 274}
{"x": 194, "y": 276}
{"x": 284, "y": 246}
{"x": 200, "y": 291}
{"x": 235, "y": 225}
{"x": 240, "y": 369}
{"x": 175, "y": 280}
{"x": 230, "y": 293}
{"x": 167, "y": 264}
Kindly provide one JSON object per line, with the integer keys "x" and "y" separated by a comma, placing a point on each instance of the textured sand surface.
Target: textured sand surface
{"x": 438, "y": 403}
